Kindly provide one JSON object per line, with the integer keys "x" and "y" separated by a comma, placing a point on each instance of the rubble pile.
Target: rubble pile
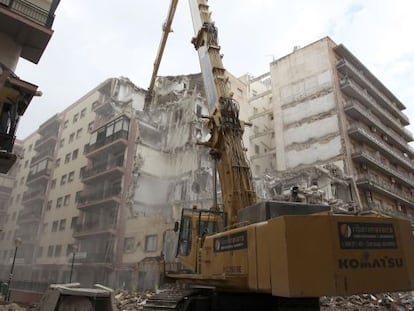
{"x": 126, "y": 301}
{"x": 388, "y": 301}
{"x": 11, "y": 307}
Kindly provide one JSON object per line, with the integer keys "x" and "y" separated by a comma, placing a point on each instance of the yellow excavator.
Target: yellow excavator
{"x": 271, "y": 255}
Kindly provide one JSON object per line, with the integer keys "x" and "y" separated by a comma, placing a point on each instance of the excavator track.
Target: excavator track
{"x": 171, "y": 299}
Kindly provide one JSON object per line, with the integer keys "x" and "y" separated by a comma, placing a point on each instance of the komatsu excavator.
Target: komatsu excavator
{"x": 271, "y": 255}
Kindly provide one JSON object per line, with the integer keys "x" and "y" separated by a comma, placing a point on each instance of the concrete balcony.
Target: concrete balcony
{"x": 111, "y": 171}
{"x": 361, "y": 134}
{"x": 29, "y": 215}
{"x": 93, "y": 229}
{"x": 46, "y": 141}
{"x": 28, "y": 24}
{"x": 115, "y": 142}
{"x": 347, "y": 68}
{"x": 371, "y": 182}
{"x": 96, "y": 258}
{"x": 104, "y": 198}
{"x": 42, "y": 176}
{"x": 373, "y": 161}
{"x": 33, "y": 197}
{"x": 357, "y": 111}
{"x": 351, "y": 89}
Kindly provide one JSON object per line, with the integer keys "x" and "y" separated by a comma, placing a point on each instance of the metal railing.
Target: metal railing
{"x": 45, "y": 172}
{"x": 396, "y": 112}
{"x": 30, "y": 11}
{"x": 99, "y": 195}
{"x": 99, "y": 168}
{"x": 107, "y": 140}
{"x": 91, "y": 228}
{"x": 38, "y": 287}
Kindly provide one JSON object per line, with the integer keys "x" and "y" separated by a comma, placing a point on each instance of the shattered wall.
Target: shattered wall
{"x": 306, "y": 121}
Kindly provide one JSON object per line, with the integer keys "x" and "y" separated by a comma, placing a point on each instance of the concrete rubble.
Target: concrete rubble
{"x": 126, "y": 301}
{"x": 387, "y": 301}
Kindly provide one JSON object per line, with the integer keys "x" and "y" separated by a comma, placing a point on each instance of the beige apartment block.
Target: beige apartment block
{"x": 328, "y": 115}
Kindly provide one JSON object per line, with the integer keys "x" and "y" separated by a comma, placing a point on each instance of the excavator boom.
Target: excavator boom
{"x": 166, "y": 29}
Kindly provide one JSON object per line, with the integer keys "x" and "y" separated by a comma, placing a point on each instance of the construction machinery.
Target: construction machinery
{"x": 272, "y": 255}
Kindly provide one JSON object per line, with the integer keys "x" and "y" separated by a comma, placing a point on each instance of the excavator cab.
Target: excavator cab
{"x": 194, "y": 227}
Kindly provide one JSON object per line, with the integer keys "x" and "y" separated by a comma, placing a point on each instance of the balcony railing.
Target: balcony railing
{"x": 364, "y": 97}
{"x": 44, "y": 154}
{"x": 106, "y": 141}
{"x": 101, "y": 257}
{"x": 96, "y": 196}
{"x": 394, "y": 110}
{"x": 99, "y": 168}
{"x": 378, "y": 144}
{"x": 30, "y": 195}
{"x": 384, "y": 166}
{"x": 30, "y": 11}
{"x": 387, "y": 187}
{"x": 94, "y": 228}
{"x": 29, "y": 215}
{"x": 43, "y": 173}
{"x": 362, "y": 112}
{"x": 389, "y": 212}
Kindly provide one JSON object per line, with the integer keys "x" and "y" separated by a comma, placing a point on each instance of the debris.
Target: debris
{"x": 385, "y": 301}
{"x": 126, "y": 301}
{"x": 12, "y": 307}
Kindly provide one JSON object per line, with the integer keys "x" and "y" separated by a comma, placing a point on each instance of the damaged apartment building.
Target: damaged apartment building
{"x": 103, "y": 182}
{"x": 324, "y": 123}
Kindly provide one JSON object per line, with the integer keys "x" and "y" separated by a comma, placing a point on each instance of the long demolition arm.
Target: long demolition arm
{"x": 166, "y": 29}
{"x": 226, "y": 129}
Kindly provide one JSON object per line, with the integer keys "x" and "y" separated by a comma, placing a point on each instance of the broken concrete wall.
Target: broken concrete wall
{"x": 306, "y": 122}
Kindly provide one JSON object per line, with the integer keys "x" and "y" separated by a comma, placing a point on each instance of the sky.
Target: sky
{"x": 98, "y": 39}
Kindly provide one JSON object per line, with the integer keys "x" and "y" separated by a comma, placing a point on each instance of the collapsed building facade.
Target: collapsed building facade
{"x": 101, "y": 184}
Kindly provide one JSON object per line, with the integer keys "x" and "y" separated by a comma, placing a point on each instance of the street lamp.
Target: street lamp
{"x": 74, "y": 249}
{"x": 17, "y": 243}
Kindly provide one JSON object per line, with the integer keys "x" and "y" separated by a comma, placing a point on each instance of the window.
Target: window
{"x": 62, "y": 142}
{"x": 82, "y": 171}
{"x": 129, "y": 244}
{"x": 256, "y": 149}
{"x": 62, "y": 224}
{"x": 67, "y": 200}
{"x": 65, "y": 125}
{"x": 151, "y": 243}
{"x": 54, "y": 226}
{"x": 83, "y": 113}
{"x": 44, "y": 227}
{"x": 57, "y": 163}
{"x": 14, "y": 215}
{"x": 59, "y": 203}
{"x": 53, "y": 184}
{"x": 22, "y": 180}
{"x": 30, "y": 147}
{"x": 75, "y": 154}
{"x": 77, "y": 196}
{"x": 71, "y": 137}
{"x": 75, "y": 117}
{"x": 67, "y": 158}
{"x": 49, "y": 205}
{"x": 71, "y": 176}
{"x": 63, "y": 180}
{"x": 26, "y": 163}
{"x": 78, "y": 133}
{"x": 18, "y": 198}
{"x": 50, "y": 251}
{"x": 74, "y": 222}
{"x": 58, "y": 250}
{"x": 90, "y": 127}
